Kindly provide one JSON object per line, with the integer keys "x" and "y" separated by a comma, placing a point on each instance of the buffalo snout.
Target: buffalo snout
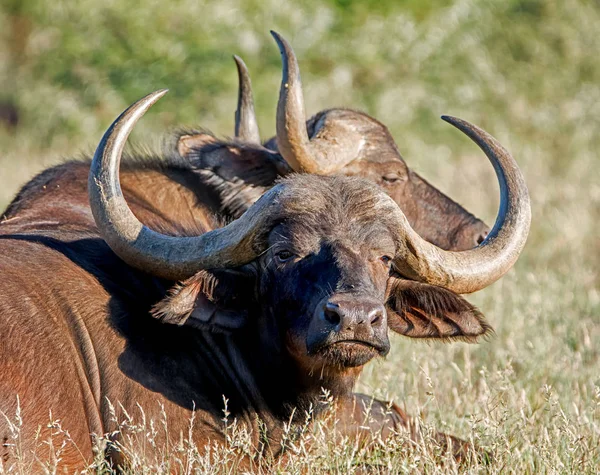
{"x": 351, "y": 329}
{"x": 352, "y": 318}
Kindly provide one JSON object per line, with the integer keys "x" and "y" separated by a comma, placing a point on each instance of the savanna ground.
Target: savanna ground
{"x": 525, "y": 70}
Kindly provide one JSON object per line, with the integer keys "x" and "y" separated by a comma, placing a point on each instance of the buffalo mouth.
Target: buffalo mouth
{"x": 351, "y": 353}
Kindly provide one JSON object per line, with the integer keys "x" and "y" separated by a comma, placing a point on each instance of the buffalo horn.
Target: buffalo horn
{"x": 474, "y": 269}
{"x": 321, "y": 155}
{"x": 246, "y": 127}
{"x": 165, "y": 256}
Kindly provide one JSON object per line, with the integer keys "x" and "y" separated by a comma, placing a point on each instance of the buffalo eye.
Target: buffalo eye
{"x": 387, "y": 260}
{"x": 284, "y": 256}
{"x": 389, "y": 178}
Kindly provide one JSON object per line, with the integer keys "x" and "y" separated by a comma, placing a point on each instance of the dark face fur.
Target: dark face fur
{"x": 325, "y": 286}
{"x": 322, "y": 293}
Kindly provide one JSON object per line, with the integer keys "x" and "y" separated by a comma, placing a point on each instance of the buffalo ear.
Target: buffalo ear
{"x": 232, "y": 159}
{"x": 238, "y": 172}
{"x": 187, "y": 143}
{"x": 216, "y": 301}
{"x": 420, "y": 310}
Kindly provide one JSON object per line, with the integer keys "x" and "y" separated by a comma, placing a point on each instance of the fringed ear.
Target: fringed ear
{"x": 420, "y": 310}
{"x": 232, "y": 159}
{"x": 187, "y": 143}
{"x": 239, "y": 172}
{"x": 208, "y": 301}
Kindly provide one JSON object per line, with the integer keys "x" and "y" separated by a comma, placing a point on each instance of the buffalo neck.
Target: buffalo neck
{"x": 289, "y": 388}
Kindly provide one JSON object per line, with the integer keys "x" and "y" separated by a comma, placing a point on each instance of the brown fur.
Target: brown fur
{"x": 78, "y": 330}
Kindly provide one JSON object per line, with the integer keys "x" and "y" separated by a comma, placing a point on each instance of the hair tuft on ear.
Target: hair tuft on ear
{"x": 180, "y": 302}
{"x": 206, "y": 301}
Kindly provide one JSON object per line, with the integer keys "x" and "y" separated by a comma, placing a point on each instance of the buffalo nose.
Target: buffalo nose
{"x": 342, "y": 318}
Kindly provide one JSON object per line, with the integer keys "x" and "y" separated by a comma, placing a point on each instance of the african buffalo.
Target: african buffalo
{"x": 343, "y": 142}
{"x": 295, "y": 296}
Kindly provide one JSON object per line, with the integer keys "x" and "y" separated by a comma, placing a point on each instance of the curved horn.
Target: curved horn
{"x": 165, "y": 256}
{"x": 321, "y": 155}
{"x": 246, "y": 127}
{"x": 472, "y": 270}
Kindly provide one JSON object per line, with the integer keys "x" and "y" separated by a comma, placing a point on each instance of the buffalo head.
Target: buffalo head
{"x": 321, "y": 266}
{"x": 335, "y": 141}
{"x": 323, "y": 293}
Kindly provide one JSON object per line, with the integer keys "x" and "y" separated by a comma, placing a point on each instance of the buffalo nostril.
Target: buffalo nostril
{"x": 481, "y": 237}
{"x": 331, "y": 312}
{"x": 376, "y": 317}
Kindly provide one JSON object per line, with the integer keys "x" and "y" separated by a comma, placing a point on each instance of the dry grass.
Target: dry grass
{"x": 527, "y": 71}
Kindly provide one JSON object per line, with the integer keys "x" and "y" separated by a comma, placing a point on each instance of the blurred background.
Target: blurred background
{"x": 527, "y": 71}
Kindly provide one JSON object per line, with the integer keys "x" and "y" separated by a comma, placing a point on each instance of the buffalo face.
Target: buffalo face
{"x": 325, "y": 289}
{"x": 435, "y": 216}
{"x": 317, "y": 293}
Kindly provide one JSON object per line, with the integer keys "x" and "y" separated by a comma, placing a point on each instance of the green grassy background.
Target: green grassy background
{"x": 525, "y": 70}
